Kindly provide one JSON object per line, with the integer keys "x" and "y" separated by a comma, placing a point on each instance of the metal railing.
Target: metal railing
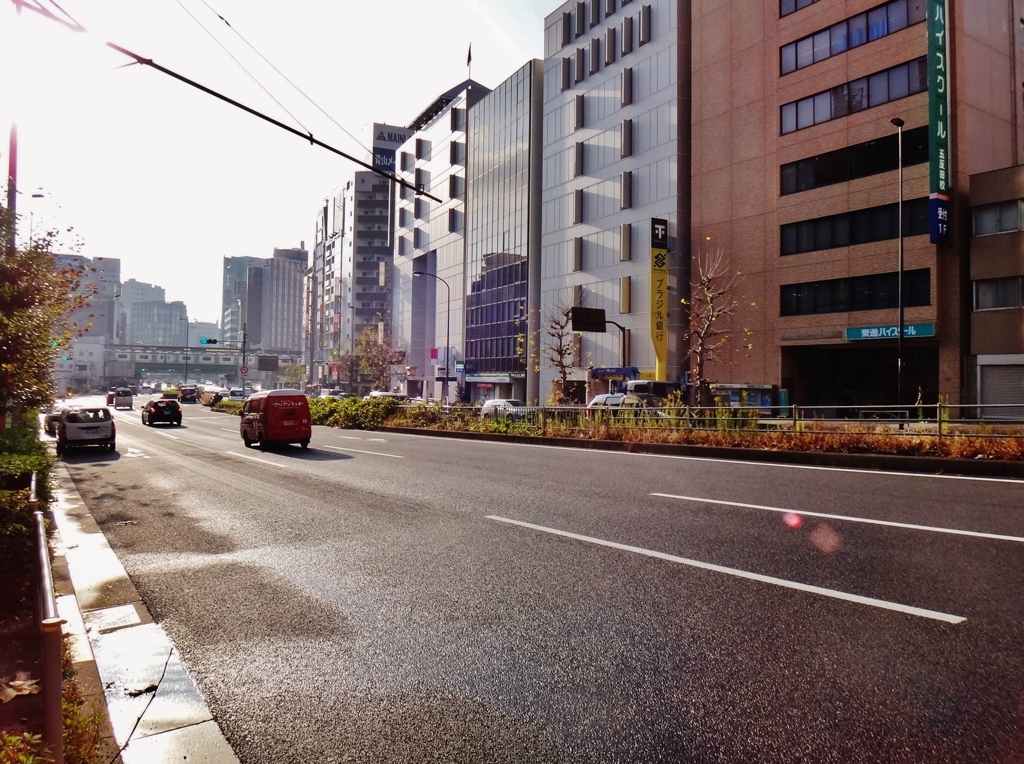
{"x": 51, "y": 636}
{"x": 938, "y": 419}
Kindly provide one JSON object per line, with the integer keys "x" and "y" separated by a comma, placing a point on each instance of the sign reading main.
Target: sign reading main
{"x": 387, "y": 139}
{"x": 659, "y": 295}
{"x": 938, "y": 122}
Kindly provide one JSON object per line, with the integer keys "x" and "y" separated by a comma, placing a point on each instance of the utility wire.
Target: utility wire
{"x": 241, "y": 65}
{"x": 418, "y": 190}
{"x": 284, "y": 77}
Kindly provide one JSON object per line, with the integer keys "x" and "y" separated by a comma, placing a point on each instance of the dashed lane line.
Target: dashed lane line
{"x": 832, "y": 593}
{"x": 846, "y": 518}
{"x": 372, "y": 453}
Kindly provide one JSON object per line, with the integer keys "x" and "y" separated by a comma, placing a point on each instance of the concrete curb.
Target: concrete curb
{"x": 120, "y": 653}
{"x": 930, "y": 465}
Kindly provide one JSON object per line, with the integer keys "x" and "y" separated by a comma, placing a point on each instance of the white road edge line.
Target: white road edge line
{"x": 225, "y": 429}
{"x": 255, "y": 459}
{"x": 870, "y": 521}
{"x": 833, "y": 593}
{"x": 372, "y": 453}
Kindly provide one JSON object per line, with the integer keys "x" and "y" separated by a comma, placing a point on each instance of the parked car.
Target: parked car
{"x": 162, "y": 410}
{"x": 52, "y": 417}
{"x": 146, "y": 390}
{"x": 502, "y": 407}
{"x": 400, "y": 397}
{"x": 276, "y": 416}
{"x": 617, "y": 402}
{"x": 85, "y": 427}
{"x": 187, "y": 394}
{"x": 237, "y": 394}
{"x": 123, "y": 398}
{"x": 333, "y": 394}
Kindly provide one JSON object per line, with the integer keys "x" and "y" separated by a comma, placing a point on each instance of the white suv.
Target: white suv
{"x": 502, "y": 407}
{"x": 85, "y": 427}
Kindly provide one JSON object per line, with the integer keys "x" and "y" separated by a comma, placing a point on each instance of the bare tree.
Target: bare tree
{"x": 348, "y": 367}
{"x": 561, "y": 348}
{"x": 712, "y": 303}
{"x": 377, "y": 352}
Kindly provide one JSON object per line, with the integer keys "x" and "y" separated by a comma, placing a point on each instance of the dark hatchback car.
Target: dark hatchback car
{"x": 162, "y": 410}
{"x": 188, "y": 394}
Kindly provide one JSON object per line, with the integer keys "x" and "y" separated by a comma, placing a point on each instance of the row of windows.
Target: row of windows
{"x": 873, "y": 292}
{"x": 997, "y": 294}
{"x": 574, "y": 67}
{"x": 864, "y": 93}
{"x": 787, "y": 7}
{"x": 856, "y": 227}
{"x": 578, "y": 20}
{"x": 857, "y": 161}
{"x": 625, "y": 197}
{"x": 1002, "y": 217}
{"x": 851, "y": 33}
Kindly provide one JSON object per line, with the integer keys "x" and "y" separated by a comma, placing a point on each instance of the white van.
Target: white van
{"x": 123, "y": 398}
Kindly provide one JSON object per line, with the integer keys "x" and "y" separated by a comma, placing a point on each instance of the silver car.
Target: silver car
{"x": 86, "y": 427}
{"x": 502, "y": 407}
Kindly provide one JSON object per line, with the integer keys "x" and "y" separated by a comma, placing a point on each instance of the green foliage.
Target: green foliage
{"x": 229, "y": 407}
{"x": 23, "y": 749}
{"x": 83, "y": 724}
{"x": 352, "y": 413}
{"x": 36, "y": 301}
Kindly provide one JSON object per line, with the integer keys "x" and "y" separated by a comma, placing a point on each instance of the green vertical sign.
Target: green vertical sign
{"x": 938, "y": 120}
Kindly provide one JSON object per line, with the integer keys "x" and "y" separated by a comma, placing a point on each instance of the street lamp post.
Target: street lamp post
{"x": 898, "y": 124}
{"x": 185, "y": 319}
{"x": 448, "y": 329}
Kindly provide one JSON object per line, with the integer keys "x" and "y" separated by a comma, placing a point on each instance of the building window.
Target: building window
{"x": 454, "y": 221}
{"x": 867, "y": 92}
{"x": 595, "y": 55}
{"x": 577, "y": 169}
{"x": 627, "y": 86}
{"x": 566, "y": 28}
{"x": 580, "y": 111}
{"x": 405, "y": 217}
{"x": 877, "y": 291}
{"x": 627, "y": 138}
{"x": 627, "y": 35}
{"x": 577, "y": 206}
{"x": 577, "y": 254}
{"x": 408, "y": 161}
{"x": 422, "y": 179}
{"x": 857, "y": 161}
{"x": 609, "y": 7}
{"x": 422, "y": 148}
{"x": 624, "y": 294}
{"x": 581, "y": 64}
{"x": 626, "y": 242}
{"x": 456, "y": 153}
{"x": 422, "y": 209}
{"x": 609, "y": 46}
{"x": 581, "y": 18}
{"x": 997, "y": 218}
{"x": 458, "y": 120}
{"x": 595, "y": 12}
{"x": 456, "y": 187}
{"x": 851, "y": 33}
{"x": 787, "y": 7}
{"x": 566, "y": 73}
{"x": 999, "y": 294}
{"x": 645, "y": 24}
{"x": 858, "y": 227}
{"x": 627, "y": 189}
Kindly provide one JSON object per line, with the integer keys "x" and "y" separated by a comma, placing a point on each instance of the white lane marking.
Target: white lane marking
{"x": 225, "y": 429}
{"x": 255, "y": 459}
{"x": 349, "y": 437}
{"x": 135, "y": 453}
{"x": 372, "y": 453}
{"x": 876, "y": 473}
{"x": 376, "y": 440}
{"x": 847, "y": 518}
{"x": 835, "y": 594}
{"x": 166, "y": 435}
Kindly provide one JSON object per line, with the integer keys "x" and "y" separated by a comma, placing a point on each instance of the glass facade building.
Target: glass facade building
{"x": 501, "y": 220}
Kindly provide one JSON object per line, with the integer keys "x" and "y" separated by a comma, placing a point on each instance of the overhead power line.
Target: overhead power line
{"x": 28, "y": 4}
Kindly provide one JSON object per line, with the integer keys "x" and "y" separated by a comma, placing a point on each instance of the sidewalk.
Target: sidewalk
{"x": 125, "y": 662}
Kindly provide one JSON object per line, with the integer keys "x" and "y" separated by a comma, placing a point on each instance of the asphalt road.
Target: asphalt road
{"x": 395, "y": 598}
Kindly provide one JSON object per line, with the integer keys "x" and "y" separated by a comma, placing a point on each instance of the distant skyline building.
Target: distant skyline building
{"x": 159, "y": 323}
{"x": 233, "y": 292}
{"x": 273, "y": 312}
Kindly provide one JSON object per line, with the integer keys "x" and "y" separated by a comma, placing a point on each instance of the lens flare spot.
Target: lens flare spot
{"x": 793, "y": 520}
{"x": 826, "y": 539}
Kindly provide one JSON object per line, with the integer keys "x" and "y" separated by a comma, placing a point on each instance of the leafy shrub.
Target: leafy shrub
{"x": 23, "y": 749}
{"x": 352, "y": 413}
{"x": 229, "y": 407}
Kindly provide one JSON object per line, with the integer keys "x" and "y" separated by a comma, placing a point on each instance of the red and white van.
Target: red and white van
{"x": 276, "y": 416}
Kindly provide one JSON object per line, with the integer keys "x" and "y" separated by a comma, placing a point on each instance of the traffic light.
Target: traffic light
{"x": 207, "y": 341}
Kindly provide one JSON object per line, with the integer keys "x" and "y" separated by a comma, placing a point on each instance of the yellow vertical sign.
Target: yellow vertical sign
{"x": 659, "y": 295}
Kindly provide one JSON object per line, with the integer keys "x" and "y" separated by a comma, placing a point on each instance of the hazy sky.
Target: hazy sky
{"x": 170, "y": 180}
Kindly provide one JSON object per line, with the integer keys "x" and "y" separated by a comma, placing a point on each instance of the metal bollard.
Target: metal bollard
{"x": 51, "y": 635}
